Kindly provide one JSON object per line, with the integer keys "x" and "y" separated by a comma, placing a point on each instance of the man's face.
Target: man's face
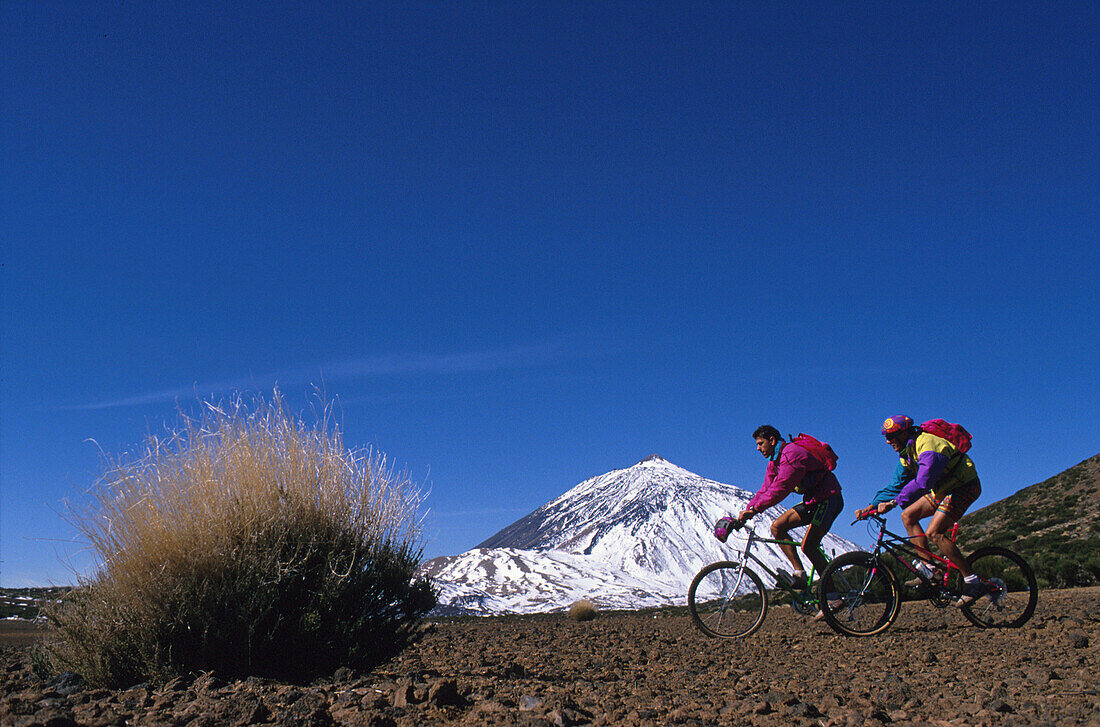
{"x": 766, "y": 446}
{"x": 898, "y": 440}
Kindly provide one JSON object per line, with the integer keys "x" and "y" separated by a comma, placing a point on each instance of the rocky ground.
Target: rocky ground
{"x": 932, "y": 667}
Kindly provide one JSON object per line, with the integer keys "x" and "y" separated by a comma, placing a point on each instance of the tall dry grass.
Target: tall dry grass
{"x": 248, "y": 543}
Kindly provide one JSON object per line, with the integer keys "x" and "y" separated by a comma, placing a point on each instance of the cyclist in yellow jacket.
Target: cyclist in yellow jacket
{"x": 938, "y": 481}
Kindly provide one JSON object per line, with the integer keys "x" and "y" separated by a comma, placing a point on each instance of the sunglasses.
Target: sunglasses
{"x": 895, "y": 436}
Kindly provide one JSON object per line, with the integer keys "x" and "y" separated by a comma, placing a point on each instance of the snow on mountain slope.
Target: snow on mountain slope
{"x": 630, "y": 538}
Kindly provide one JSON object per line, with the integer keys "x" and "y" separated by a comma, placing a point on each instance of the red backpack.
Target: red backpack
{"x": 954, "y": 433}
{"x": 821, "y": 451}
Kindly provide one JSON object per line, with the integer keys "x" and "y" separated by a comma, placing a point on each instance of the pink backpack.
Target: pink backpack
{"x": 821, "y": 451}
{"x": 954, "y": 433}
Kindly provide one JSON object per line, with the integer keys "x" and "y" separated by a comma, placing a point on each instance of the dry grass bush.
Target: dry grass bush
{"x": 582, "y": 610}
{"x": 249, "y": 544}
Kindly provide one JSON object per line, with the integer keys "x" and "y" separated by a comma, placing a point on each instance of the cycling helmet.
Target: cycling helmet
{"x": 893, "y": 425}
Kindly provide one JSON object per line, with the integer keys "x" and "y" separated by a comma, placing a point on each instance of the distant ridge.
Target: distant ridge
{"x": 1055, "y": 524}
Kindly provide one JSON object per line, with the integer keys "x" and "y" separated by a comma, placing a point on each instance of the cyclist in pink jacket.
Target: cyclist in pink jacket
{"x": 793, "y": 468}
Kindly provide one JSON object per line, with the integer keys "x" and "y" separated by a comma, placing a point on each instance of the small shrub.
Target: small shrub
{"x": 245, "y": 543}
{"x": 582, "y": 610}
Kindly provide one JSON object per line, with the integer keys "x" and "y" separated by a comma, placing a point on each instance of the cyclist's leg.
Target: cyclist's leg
{"x": 824, "y": 513}
{"x": 781, "y": 530}
{"x": 811, "y": 543}
{"x": 940, "y": 523}
{"x": 950, "y": 509}
{"x": 911, "y": 517}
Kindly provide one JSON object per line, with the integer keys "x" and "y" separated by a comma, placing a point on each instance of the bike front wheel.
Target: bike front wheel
{"x": 1010, "y": 589}
{"x": 859, "y": 595}
{"x": 727, "y": 600}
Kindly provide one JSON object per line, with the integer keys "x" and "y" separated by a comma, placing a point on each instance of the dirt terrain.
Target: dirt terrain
{"x": 932, "y": 667}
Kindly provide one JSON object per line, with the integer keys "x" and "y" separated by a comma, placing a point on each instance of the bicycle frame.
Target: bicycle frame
{"x": 805, "y": 599}
{"x": 904, "y": 551}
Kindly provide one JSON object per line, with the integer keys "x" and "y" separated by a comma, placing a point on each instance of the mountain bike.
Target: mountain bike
{"x": 860, "y": 594}
{"x": 727, "y": 599}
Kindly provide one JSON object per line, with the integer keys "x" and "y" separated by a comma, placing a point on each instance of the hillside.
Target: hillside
{"x": 1055, "y": 524}
{"x": 26, "y": 602}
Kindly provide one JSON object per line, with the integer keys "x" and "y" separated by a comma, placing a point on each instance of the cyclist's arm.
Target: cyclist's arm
{"x": 774, "y": 490}
{"x": 902, "y": 476}
{"x": 884, "y": 498}
{"x": 930, "y": 466}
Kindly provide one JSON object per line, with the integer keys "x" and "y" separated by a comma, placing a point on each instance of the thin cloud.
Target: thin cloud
{"x": 457, "y": 363}
{"x": 155, "y": 397}
{"x": 166, "y": 395}
{"x": 365, "y": 367}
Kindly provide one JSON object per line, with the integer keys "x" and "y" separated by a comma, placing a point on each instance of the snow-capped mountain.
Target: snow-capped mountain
{"x": 628, "y": 539}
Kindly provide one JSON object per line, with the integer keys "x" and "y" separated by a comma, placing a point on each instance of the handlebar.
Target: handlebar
{"x": 865, "y": 514}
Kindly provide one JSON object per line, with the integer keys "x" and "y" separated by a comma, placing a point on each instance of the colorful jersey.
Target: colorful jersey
{"x": 792, "y": 468}
{"x": 931, "y": 464}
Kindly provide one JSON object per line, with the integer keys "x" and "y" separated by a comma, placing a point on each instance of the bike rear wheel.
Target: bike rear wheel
{"x": 1011, "y": 589}
{"x": 727, "y": 601}
{"x": 859, "y": 595}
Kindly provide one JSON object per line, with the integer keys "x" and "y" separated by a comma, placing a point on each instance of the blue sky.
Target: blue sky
{"x": 523, "y": 244}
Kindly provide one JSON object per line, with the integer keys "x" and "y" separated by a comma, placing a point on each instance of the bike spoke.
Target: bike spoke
{"x": 859, "y": 598}
{"x": 727, "y": 600}
{"x": 1010, "y": 591}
